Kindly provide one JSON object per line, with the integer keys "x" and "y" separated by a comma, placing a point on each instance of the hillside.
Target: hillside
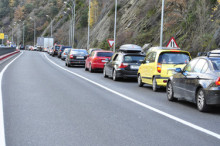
{"x": 194, "y": 24}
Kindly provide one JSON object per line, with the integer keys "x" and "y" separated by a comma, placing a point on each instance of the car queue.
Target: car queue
{"x": 195, "y": 80}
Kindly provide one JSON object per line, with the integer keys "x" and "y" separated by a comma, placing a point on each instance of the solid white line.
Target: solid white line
{"x": 216, "y": 135}
{"x": 2, "y": 127}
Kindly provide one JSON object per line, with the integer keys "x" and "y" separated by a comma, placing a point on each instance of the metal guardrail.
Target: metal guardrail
{"x": 6, "y": 50}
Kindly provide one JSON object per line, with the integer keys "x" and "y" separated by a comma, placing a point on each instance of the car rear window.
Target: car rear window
{"x": 174, "y": 58}
{"x": 216, "y": 64}
{"x": 104, "y": 54}
{"x": 79, "y": 52}
{"x": 133, "y": 59}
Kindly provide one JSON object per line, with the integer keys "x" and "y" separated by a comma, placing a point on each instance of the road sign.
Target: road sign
{"x": 111, "y": 43}
{"x": 172, "y": 43}
{"x": 2, "y": 36}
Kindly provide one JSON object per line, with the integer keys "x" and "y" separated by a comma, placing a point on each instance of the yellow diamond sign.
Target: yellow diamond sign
{"x": 2, "y": 36}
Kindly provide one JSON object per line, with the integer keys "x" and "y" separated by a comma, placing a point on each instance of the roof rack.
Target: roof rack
{"x": 130, "y": 48}
{"x": 213, "y": 54}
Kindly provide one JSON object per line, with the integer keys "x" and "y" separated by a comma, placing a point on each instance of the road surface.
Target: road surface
{"x": 46, "y": 103}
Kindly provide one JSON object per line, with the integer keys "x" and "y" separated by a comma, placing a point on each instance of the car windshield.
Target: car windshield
{"x": 79, "y": 52}
{"x": 216, "y": 64}
{"x": 133, "y": 59}
{"x": 174, "y": 58}
{"x": 104, "y": 54}
{"x": 57, "y": 47}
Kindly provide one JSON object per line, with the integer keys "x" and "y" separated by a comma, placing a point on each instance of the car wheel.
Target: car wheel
{"x": 140, "y": 83}
{"x": 90, "y": 68}
{"x": 154, "y": 86}
{"x": 200, "y": 101}
{"x": 114, "y": 75}
{"x": 104, "y": 73}
{"x": 170, "y": 94}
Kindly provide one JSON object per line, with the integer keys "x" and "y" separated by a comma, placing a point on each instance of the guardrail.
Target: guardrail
{"x": 6, "y": 50}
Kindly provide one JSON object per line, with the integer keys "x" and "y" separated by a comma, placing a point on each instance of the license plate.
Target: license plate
{"x": 80, "y": 57}
{"x": 134, "y": 67}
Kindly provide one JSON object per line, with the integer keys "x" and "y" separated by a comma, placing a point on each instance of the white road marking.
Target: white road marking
{"x": 2, "y": 127}
{"x": 216, "y": 135}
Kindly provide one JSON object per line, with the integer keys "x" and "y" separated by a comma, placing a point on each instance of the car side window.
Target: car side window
{"x": 119, "y": 58}
{"x": 93, "y": 53}
{"x": 205, "y": 68}
{"x": 147, "y": 58}
{"x": 190, "y": 66}
{"x": 152, "y": 57}
{"x": 114, "y": 57}
{"x": 199, "y": 66}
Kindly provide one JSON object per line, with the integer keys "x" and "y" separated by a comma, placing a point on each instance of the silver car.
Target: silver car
{"x": 65, "y": 53}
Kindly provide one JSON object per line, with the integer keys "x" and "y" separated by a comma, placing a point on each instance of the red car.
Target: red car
{"x": 97, "y": 59}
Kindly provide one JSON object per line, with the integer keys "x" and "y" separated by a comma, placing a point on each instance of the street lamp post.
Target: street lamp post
{"x": 23, "y": 34}
{"x": 34, "y": 28}
{"x": 161, "y": 31}
{"x": 70, "y": 30}
{"x": 73, "y": 20}
{"x": 116, "y": 3}
{"x": 88, "y": 46}
{"x": 51, "y": 21}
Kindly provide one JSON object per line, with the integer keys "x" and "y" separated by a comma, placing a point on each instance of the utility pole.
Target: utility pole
{"x": 23, "y": 34}
{"x": 88, "y": 46}
{"x": 70, "y": 33}
{"x": 116, "y": 3}
{"x": 161, "y": 31}
{"x": 74, "y": 19}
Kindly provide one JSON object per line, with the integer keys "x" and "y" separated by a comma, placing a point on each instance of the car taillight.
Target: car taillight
{"x": 159, "y": 67}
{"x": 71, "y": 56}
{"x": 218, "y": 82}
{"x": 123, "y": 65}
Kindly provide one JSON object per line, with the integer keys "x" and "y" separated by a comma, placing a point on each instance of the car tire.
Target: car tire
{"x": 140, "y": 83}
{"x": 90, "y": 68}
{"x": 169, "y": 90}
{"x": 104, "y": 73}
{"x": 114, "y": 75}
{"x": 154, "y": 86}
{"x": 201, "y": 101}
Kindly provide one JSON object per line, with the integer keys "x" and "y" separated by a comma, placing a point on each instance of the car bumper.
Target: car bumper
{"x": 77, "y": 62}
{"x": 127, "y": 74}
{"x": 98, "y": 65}
{"x": 213, "y": 96}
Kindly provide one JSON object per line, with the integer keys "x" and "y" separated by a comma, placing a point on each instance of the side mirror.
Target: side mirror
{"x": 178, "y": 70}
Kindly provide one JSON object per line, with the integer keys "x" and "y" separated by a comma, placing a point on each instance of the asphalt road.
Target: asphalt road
{"x": 46, "y": 105}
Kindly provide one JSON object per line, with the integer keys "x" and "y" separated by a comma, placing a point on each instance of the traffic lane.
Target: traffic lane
{"x": 57, "y": 108}
{"x": 182, "y": 109}
{"x": 5, "y": 61}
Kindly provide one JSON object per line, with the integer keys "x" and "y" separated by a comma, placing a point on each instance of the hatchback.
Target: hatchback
{"x": 97, "y": 59}
{"x": 198, "y": 82}
{"x": 61, "y": 49}
{"x": 125, "y": 63}
{"x": 159, "y": 64}
{"x": 76, "y": 57}
{"x": 65, "y": 53}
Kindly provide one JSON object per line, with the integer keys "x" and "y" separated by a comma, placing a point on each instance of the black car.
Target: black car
{"x": 125, "y": 63}
{"x": 198, "y": 82}
{"x": 55, "y": 50}
{"x": 22, "y": 47}
{"x": 76, "y": 57}
{"x": 61, "y": 49}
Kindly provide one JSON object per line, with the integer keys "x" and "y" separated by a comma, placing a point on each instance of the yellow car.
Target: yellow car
{"x": 160, "y": 63}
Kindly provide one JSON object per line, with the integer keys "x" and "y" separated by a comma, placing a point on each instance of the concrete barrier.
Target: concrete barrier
{"x": 6, "y": 50}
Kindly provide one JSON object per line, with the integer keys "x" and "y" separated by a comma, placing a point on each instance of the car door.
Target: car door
{"x": 180, "y": 79}
{"x": 144, "y": 68}
{"x": 192, "y": 79}
{"x": 151, "y": 67}
{"x": 109, "y": 65}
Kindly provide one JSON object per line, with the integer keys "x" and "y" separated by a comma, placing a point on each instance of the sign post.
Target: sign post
{"x": 111, "y": 43}
{"x": 172, "y": 43}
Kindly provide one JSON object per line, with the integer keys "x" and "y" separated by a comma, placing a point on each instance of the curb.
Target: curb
{"x": 9, "y": 54}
